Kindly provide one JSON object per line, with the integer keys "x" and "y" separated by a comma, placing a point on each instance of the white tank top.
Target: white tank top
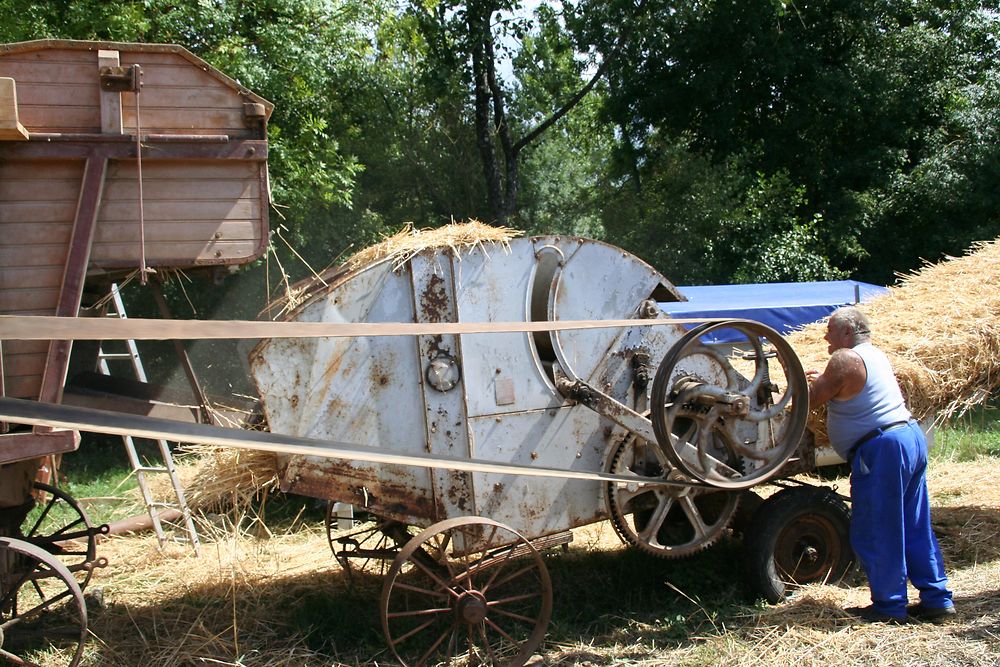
{"x": 879, "y": 403}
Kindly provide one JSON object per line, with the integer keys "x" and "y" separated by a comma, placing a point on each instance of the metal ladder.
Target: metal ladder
{"x": 116, "y": 308}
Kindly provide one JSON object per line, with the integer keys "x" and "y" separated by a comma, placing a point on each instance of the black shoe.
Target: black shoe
{"x": 870, "y": 614}
{"x": 930, "y": 614}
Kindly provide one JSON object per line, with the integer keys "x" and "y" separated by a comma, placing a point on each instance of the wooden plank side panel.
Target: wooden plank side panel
{"x": 108, "y": 256}
{"x": 51, "y": 85}
{"x": 194, "y": 212}
{"x": 17, "y": 362}
{"x": 26, "y": 387}
{"x": 30, "y": 300}
{"x": 59, "y": 91}
{"x": 179, "y": 97}
{"x": 23, "y": 365}
{"x": 30, "y": 277}
{"x": 37, "y": 206}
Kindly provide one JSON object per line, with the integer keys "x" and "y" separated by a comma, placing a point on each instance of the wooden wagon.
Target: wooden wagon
{"x": 114, "y": 159}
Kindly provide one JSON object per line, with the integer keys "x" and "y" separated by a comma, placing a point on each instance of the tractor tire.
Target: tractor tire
{"x": 798, "y": 536}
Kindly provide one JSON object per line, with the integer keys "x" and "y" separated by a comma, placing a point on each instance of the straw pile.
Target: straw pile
{"x": 410, "y": 241}
{"x": 940, "y": 328}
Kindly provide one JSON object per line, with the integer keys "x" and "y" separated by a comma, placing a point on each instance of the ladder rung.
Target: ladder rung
{"x": 115, "y": 355}
{"x": 169, "y": 506}
{"x": 152, "y": 469}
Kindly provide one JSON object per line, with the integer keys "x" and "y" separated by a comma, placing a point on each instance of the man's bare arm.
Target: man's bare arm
{"x": 843, "y": 378}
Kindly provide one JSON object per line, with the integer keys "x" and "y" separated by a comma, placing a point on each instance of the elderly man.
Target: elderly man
{"x": 870, "y": 426}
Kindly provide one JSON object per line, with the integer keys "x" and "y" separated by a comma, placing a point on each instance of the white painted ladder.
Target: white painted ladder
{"x": 116, "y": 308}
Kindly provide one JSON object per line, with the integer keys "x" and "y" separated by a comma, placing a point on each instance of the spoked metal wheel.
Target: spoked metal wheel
{"x": 716, "y": 425}
{"x": 665, "y": 521}
{"x": 58, "y": 525}
{"x": 41, "y": 606}
{"x": 467, "y": 589}
{"x": 371, "y": 545}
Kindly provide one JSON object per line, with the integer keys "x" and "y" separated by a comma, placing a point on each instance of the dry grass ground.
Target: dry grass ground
{"x": 281, "y": 600}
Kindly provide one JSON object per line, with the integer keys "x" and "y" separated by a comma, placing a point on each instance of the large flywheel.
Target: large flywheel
{"x": 665, "y": 521}
{"x": 730, "y": 414}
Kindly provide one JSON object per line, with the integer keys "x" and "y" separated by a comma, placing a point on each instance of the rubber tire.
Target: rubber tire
{"x": 825, "y": 520}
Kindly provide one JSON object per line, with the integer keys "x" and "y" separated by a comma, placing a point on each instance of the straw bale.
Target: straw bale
{"x": 940, "y": 328}
{"x": 219, "y": 479}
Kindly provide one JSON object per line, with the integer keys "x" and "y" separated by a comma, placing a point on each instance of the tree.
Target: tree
{"x": 879, "y": 109}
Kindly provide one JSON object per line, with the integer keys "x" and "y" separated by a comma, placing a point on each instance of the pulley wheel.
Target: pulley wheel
{"x": 735, "y": 425}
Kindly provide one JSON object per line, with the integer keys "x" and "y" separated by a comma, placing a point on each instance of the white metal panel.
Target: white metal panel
{"x": 571, "y": 437}
{"x": 599, "y": 281}
{"x": 445, "y": 424}
{"x": 501, "y": 371}
{"x": 360, "y": 390}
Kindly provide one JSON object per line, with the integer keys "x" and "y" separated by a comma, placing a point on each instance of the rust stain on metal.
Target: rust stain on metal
{"x": 435, "y": 306}
{"x": 434, "y": 300}
{"x": 392, "y": 494}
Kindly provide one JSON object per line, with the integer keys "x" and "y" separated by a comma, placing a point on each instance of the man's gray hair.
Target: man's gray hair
{"x": 854, "y": 320}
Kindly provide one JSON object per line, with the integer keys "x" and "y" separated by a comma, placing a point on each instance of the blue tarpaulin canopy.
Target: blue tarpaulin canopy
{"x": 781, "y": 306}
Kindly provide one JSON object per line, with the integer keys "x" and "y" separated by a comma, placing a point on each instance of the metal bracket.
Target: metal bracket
{"x": 121, "y": 79}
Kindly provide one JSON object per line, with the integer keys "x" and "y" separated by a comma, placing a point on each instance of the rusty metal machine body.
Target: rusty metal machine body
{"x": 562, "y": 399}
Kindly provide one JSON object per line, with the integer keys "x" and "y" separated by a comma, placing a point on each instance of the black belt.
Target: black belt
{"x": 875, "y": 432}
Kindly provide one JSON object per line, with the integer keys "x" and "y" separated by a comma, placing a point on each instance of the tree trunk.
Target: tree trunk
{"x": 478, "y": 18}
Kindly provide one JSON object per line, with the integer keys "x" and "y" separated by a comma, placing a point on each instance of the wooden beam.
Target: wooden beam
{"x": 26, "y": 445}
{"x": 10, "y": 128}
{"x": 52, "y": 148}
{"x": 111, "y": 101}
{"x": 75, "y": 271}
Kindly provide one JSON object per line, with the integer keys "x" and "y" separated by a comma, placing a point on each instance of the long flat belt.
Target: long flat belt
{"x": 47, "y": 327}
{"x": 34, "y": 413}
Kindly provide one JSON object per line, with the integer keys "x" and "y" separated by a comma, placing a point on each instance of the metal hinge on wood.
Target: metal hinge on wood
{"x": 116, "y": 308}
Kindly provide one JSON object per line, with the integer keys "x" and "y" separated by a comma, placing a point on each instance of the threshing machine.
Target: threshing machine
{"x": 479, "y": 403}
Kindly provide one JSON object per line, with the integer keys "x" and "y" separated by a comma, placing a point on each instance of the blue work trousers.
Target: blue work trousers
{"x": 891, "y": 521}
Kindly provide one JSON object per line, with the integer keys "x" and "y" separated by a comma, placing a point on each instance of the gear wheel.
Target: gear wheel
{"x": 687, "y": 519}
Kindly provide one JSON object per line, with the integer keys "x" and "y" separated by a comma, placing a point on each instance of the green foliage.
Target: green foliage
{"x": 883, "y": 110}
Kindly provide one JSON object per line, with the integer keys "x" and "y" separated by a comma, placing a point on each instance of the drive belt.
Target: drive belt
{"x": 75, "y": 418}
{"x": 49, "y": 327}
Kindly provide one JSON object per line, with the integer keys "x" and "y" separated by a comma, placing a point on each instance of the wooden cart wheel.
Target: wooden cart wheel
{"x": 468, "y": 588}
{"x": 41, "y": 606}
{"x": 703, "y": 425}
{"x": 60, "y": 527}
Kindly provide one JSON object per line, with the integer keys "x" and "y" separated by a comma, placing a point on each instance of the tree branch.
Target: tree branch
{"x": 623, "y": 38}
